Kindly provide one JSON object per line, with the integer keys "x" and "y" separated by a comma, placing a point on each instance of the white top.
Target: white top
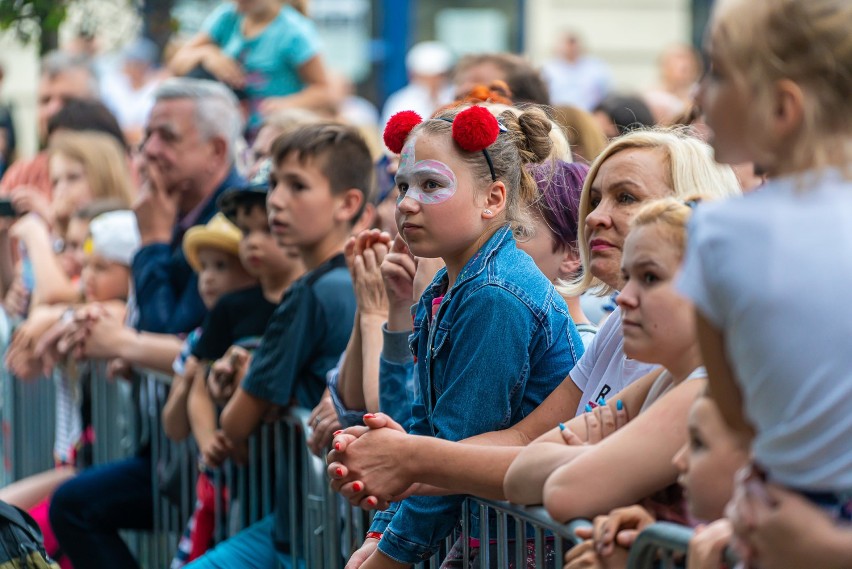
{"x": 583, "y": 83}
{"x": 665, "y": 383}
{"x": 604, "y": 370}
{"x": 587, "y": 333}
{"x": 772, "y": 269}
{"x": 69, "y": 420}
{"x": 415, "y": 97}
{"x": 130, "y": 106}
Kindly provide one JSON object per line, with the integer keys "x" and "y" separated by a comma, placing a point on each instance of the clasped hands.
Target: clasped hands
{"x": 371, "y": 465}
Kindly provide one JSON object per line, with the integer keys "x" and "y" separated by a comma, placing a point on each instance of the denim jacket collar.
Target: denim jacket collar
{"x": 473, "y": 267}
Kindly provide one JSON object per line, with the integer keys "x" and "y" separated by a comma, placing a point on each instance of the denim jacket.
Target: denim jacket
{"x": 397, "y": 383}
{"x": 500, "y": 342}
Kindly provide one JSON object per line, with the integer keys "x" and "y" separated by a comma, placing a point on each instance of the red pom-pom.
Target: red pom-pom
{"x": 398, "y": 128}
{"x": 475, "y": 129}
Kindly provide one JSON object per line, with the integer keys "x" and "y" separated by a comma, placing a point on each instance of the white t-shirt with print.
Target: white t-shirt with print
{"x": 604, "y": 370}
{"x": 772, "y": 270}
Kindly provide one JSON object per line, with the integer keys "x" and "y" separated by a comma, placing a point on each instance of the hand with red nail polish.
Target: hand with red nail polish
{"x": 374, "y": 459}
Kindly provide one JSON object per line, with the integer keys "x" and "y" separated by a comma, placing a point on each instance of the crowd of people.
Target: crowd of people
{"x": 434, "y": 304}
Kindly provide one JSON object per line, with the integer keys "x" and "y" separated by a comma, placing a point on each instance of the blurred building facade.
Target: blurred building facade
{"x": 368, "y": 39}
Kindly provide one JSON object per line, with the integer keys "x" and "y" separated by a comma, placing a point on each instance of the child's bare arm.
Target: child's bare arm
{"x": 242, "y": 415}
{"x": 349, "y": 380}
{"x": 175, "y": 413}
{"x": 721, "y": 385}
{"x": 590, "y": 485}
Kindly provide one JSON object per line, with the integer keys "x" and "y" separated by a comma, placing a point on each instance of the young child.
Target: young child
{"x": 321, "y": 175}
{"x": 238, "y": 319}
{"x": 706, "y": 464}
{"x": 463, "y": 191}
{"x": 778, "y": 94}
{"x": 212, "y": 251}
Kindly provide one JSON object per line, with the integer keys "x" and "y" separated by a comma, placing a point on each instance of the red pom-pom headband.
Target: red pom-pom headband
{"x": 474, "y": 129}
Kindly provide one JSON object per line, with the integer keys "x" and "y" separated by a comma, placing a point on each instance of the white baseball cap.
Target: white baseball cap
{"x": 115, "y": 236}
{"x": 429, "y": 58}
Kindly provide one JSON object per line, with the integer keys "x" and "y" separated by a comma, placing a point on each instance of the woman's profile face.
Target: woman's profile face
{"x": 658, "y": 323}
{"x": 623, "y": 182}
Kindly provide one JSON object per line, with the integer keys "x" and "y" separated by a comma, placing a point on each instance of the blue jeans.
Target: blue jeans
{"x": 252, "y": 548}
{"x": 87, "y": 511}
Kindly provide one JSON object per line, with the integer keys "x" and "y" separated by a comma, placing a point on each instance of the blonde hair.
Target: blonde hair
{"x": 690, "y": 169}
{"x": 103, "y": 160}
{"x": 807, "y": 42}
{"x": 672, "y": 215}
{"x": 526, "y": 141}
{"x": 584, "y": 133}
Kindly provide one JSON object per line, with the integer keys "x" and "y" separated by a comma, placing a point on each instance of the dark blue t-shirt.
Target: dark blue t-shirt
{"x": 303, "y": 341}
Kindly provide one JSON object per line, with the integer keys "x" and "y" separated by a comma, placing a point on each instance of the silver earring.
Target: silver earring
{"x": 487, "y": 212}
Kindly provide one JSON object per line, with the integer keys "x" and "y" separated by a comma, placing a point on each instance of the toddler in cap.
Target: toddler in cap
{"x": 112, "y": 242}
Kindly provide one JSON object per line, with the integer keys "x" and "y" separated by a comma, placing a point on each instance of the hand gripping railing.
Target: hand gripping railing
{"x": 664, "y": 545}
{"x": 659, "y": 546}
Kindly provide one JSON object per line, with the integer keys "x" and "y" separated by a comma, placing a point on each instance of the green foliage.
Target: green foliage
{"x": 30, "y": 19}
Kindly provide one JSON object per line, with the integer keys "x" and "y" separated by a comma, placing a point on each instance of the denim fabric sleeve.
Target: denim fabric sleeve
{"x": 479, "y": 382}
{"x": 347, "y": 417}
{"x": 382, "y": 519}
{"x": 162, "y": 307}
{"x": 396, "y": 377}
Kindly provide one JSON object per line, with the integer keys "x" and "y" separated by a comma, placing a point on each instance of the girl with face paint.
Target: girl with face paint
{"x": 490, "y": 331}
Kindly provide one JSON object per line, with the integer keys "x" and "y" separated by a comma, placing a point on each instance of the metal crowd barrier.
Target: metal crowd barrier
{"x": 548, "y": 544}
{"x": 660, "y": 546}
{"x": 325, "y": 530}
{"x": 664, "y": 545}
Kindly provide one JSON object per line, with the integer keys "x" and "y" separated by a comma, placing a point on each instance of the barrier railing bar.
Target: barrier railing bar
{"x": 484, "y": 538}
{"x": 662, "y": 536}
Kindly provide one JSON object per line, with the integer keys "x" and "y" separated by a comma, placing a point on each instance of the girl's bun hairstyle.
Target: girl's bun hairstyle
{"x": 530, "y": 132}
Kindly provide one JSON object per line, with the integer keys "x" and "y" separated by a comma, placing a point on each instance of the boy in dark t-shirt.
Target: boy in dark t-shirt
{"x": 321, "y": 175}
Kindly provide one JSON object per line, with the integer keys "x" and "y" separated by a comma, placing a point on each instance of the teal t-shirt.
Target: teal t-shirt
{"x": 272, "y": 58}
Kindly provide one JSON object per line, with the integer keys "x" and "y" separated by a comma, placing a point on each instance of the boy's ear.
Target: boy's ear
{"x": 569, "y": 264}
{"x": 348, "y": 205}
{"x": 495, "y": 200}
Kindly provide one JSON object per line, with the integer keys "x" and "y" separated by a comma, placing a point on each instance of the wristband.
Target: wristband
{"x": 374, "y": 535}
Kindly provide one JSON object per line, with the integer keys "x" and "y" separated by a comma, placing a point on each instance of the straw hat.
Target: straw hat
{"x": 219, "y": 233}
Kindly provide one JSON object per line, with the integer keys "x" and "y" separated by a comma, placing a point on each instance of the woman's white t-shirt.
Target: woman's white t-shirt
{"x": 604, "y": 370}
{"x": 772, "y": 270}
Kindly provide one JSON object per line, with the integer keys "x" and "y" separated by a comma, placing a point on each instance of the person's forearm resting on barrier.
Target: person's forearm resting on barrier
{"x": 446, "y": 464}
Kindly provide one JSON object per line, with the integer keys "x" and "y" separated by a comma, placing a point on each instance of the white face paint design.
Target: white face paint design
{"x": 427, "y": 181}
